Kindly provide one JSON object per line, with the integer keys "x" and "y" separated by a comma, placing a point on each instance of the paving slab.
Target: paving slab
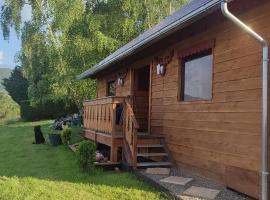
{"x": 203, "y": 192}
{"x": 158, "y": 171}
{"x": 177, "y": 180}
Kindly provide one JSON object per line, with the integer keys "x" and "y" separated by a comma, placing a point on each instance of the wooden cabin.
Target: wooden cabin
{"x": 186, "y": 93}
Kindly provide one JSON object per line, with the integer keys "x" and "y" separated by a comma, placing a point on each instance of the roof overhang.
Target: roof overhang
{"x": 137, "y": 46}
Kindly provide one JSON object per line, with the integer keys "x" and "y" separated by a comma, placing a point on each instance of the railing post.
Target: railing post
{"x": 113, "y": 120}
{"x": 84, "y": 116}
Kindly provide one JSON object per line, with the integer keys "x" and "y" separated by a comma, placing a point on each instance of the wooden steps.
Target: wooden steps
{"x": 145, "y": 135}
{"x": 150, "y": 146}
{"x": 151, "y": 154}
{"x": 153, "y": 164}
{"x": 151, "y": 151}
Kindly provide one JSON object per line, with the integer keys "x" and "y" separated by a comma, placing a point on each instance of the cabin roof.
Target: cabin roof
{"x": 191, "y": 12}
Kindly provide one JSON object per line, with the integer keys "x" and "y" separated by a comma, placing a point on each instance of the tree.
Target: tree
{"x": 8, "y": 108}
{"x": 66, "y": 37}
{"x": 16, "y": 85}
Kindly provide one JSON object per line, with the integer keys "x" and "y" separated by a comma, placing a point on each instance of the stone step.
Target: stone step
{"x": 178, "y": 180}
{"x": 151, "y": 154}
{"x": 202, "y": 192}
{"x": 150, "y": 146}
{"x": 158, "y": 171}
{"x": 153, "y": 164}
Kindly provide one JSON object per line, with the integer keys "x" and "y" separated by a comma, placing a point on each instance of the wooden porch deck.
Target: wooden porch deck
{"x": 102, "y": 125}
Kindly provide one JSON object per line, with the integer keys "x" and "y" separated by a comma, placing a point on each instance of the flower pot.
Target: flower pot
{"x": 55, "y": 139}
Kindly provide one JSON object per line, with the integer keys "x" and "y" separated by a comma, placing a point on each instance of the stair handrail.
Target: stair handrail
{"x": 129, "y": 108}
{"x": 131, "y": 136}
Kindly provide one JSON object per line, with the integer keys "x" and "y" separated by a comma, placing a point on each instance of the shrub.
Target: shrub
{"x": 50, "y": 110}
{"x": 86, "y": 155}
{"x": 66, "y": 135}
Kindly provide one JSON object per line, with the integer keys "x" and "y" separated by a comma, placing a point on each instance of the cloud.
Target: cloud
{"x": 1, "y": 57}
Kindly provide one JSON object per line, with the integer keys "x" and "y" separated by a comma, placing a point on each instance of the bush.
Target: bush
{"x": 50, "y": 110}
{"x": 66, "y": 135}
{"x": 86, "y": 155}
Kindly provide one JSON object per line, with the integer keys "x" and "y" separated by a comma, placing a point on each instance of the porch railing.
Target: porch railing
{"x": 100, "y": 115}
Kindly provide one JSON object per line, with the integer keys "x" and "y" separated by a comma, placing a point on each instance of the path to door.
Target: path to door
{"x": 188, "y": 186}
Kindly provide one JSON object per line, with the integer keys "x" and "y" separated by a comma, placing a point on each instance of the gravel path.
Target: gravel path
{"x": 178, "y": 190}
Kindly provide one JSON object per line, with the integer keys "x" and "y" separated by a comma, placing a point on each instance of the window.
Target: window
{"x": 196, "y": 80}
{"x": 111, "y": 88}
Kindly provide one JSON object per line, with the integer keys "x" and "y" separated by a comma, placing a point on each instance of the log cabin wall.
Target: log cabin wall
{"x": 220, "y": 138}
{"x": 120, "y": 90}
{"x": 130, "y": 88}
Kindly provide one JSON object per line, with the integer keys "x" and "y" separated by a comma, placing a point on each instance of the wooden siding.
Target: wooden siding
{"x": 120, "y": 90}
{"x": 220, "y": 138}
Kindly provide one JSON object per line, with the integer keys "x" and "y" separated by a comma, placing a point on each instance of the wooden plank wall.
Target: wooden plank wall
{"x": 120, "y": 90}
{"x": 221, "y": 138}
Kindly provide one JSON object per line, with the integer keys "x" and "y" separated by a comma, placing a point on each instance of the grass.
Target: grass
{"x": 42, "y": 172}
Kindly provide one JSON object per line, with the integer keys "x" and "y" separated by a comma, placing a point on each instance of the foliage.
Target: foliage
{"x": 16, "y": 85}
{"x": 8, "y": 108}
{"x": 52, "y": 173}
{"x": 4, "y": 73}
{"x": 49, "y": 110}
{"x": 66, "y": 135}
{"x": 65, "y": 38}
{"x": 86, "y": 155}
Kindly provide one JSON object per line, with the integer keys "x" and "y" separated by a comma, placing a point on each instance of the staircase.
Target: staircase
{"x": 151, "y": 151}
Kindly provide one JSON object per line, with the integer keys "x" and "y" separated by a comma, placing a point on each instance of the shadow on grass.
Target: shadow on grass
{"x": 20, "y": 158}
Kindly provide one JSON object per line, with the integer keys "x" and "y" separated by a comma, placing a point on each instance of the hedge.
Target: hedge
{"x": 49, "y": 110}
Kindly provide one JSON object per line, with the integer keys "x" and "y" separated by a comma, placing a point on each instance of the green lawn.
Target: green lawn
{"x": 38, "y": 172}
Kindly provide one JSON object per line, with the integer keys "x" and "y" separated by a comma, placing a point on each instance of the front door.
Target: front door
{"x": 141, "y": 97}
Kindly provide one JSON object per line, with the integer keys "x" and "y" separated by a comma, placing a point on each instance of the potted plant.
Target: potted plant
{"x": 66, "y": 135}
{"x": 55, "y": 139}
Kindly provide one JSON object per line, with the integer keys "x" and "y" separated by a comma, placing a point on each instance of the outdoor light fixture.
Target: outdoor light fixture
{"x": 120, "y": 81}
{"x": 161, "y": 70}
{"x": 163, "y": 62}
{"x": 121, "y": 78}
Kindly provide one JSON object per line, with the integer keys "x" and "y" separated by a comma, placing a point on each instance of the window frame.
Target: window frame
{"x": 181, "y": 75}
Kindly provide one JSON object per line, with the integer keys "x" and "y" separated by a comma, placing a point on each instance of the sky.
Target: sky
{"x": 9, "y": 48}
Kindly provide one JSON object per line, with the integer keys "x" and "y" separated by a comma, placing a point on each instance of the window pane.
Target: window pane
{"x": 112, "y": 88}
{"x": 198, "y": 78}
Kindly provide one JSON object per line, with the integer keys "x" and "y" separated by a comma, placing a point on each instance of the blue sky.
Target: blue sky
{"x": 9, "y": 48}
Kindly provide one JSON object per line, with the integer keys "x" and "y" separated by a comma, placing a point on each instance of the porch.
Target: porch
{"x": 111, "y": 121}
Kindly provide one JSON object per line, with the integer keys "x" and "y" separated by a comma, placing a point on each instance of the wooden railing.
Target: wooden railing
{"x": 100, "y": 115}
{"x": 130, "y": 133}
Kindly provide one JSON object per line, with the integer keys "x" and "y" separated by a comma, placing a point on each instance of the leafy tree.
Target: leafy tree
{"x": 8, "y": 108}
{"x": 16, "y": 85}
{"x": 4, "y": 73}
{"x": 66, "y": 37}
